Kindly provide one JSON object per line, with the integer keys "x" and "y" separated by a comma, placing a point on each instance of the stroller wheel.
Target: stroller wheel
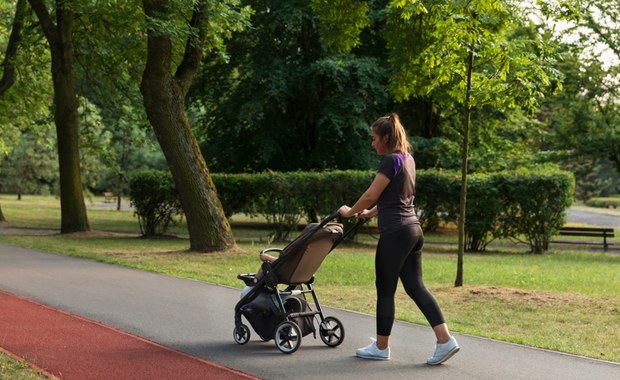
{"x": 331, "y": 331}
{"x": 241, "y": 334}
{"x": 288, "y": 337}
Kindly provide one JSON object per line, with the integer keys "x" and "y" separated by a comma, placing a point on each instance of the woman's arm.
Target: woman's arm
{"x": 367, "y": 199}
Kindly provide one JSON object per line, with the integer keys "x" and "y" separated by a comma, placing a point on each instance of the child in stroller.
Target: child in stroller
{"x": 285, "y": 315}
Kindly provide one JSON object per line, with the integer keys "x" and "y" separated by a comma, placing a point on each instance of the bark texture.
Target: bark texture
{"x": 164, "y": 100}
{"x": 60, "y": 38}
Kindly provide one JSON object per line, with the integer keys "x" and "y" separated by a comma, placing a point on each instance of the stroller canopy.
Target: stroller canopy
{"x": 303, "y": 256}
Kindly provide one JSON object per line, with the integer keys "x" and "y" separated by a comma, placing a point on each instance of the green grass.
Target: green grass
{"x": 563, "y": 300}
{"x": 14, "y": 369}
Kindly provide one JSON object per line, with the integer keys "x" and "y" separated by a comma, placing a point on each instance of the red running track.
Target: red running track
{"x": 71, "y": 347}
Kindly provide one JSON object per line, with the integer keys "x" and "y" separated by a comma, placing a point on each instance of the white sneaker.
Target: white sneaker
{"x": 373, "y": 352}
{"x": 443, "y": 352}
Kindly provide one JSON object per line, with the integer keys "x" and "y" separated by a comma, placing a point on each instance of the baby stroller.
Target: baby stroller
{"x": 285, "y": 315}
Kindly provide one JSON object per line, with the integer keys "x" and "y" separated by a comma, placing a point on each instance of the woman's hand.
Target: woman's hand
{"x": 345, "y": 211}
{"x": 365, "y": 214}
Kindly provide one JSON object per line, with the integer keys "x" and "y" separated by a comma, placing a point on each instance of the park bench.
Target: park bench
{"x": 601, "y": 232}
{"x": 108, "y": 197}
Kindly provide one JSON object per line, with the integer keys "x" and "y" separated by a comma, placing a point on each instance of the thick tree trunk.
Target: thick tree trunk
{"x": 207, "y": 225}
{"x": 60, "y": 39}
{"x": 164, "y": 101}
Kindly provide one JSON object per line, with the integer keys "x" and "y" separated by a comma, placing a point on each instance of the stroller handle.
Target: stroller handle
{"x": 346, "y": 233}
{"x": 329, "y": 219}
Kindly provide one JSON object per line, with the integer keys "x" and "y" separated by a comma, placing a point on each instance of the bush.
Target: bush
{"x": 154, "y": 196}
{"x": 607, "y": 202}
{"x": 534, "y": 204}
{"x": 484, "y": 207}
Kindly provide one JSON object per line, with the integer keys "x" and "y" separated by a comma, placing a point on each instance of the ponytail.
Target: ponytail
{"x": 391, "y": 127}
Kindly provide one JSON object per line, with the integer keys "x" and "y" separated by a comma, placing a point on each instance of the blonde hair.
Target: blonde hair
{"x": 391, "y": 127}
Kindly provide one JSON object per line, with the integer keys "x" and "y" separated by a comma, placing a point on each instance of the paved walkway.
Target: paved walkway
{"x": 197, "y": 319}
{"x": 67, "y": 346}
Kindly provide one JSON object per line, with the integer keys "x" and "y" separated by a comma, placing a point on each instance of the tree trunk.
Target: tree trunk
{"x": 60, "y": 39}
{"x": 164, "y": 102}
{"x": 464, "y": 159}
{"x": 2, "y": 218}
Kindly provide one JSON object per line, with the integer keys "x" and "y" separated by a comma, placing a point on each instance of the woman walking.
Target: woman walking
{"x": 399, "y": 250}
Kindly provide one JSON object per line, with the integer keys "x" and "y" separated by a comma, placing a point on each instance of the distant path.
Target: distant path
{"x": 594, "y": 218}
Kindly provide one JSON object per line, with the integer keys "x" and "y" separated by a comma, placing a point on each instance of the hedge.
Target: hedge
{"x": 525, "y": 205}
{"x": 604, "y": 202}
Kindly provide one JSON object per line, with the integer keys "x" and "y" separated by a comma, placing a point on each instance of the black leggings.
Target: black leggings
{"x": 399, "y": 254}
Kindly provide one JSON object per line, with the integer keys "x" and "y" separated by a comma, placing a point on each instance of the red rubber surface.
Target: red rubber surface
{"x": 71, "y": 347}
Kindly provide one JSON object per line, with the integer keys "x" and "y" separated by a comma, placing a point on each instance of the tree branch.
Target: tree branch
{"x": 194, "y": 47}
{"x": 47, "y": 24}
{"x": 8, "y": 65}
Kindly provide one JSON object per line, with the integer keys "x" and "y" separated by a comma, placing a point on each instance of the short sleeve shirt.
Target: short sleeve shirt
{"x": 395, "y": 204}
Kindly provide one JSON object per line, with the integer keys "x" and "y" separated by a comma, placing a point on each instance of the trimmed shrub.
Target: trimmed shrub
{"x": 484, "y": 207}
{"x": 154, "y": 197}
{"x": 534, "y": 204}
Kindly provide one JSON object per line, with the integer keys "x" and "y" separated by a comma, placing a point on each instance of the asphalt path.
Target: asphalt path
{"x": 197, "y": 318}
{"x": 597, "y": 219}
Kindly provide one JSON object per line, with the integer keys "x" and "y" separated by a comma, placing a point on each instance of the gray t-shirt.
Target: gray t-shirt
{"x": 395, "y": 204}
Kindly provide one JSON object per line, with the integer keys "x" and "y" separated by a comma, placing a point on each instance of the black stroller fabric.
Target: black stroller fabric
{"x": 264, "y": 314}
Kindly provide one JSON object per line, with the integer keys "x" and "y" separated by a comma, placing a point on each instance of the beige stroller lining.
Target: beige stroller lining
{"x": 299, "y": 265}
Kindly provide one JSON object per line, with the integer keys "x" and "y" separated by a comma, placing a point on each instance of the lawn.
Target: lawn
{"x": 567, "y": 301}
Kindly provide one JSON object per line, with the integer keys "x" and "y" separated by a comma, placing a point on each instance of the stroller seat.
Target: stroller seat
{"x": 268, "y": 309}
{"x": 299, "y": 260}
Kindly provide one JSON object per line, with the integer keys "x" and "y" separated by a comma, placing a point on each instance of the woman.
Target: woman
{"x": 399, "y": 250}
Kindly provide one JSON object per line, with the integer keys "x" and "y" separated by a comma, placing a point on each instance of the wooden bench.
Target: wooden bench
{"x": 600, "y": 232}
{"x": 108, "y": 197}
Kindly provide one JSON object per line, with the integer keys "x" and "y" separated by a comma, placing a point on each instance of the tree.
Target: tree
{"x": 293, "y": 83}
{"x": 24, "y": 95}
{"x": 464, "y": 52}
{"x": 164, "y": 100}
{"x": 31, "y": 166}
{"x": 592, "y": 68}
{"x": 59, "y": 36}
{"x": 110, "y": 48}
{"x": 8, "y": 64}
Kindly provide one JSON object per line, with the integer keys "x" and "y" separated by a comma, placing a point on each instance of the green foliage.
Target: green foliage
{"x": 436, "y": 200}
{"x": 31, "y": 166}
{"x": 521, "y": 204}
{"x": 485, "y": 205}
{"x": 284, "y": 198}
{"x": 585, "y": 118}
{"x": 341, "y": 22}
{"x": 94, "y": 144}
{"x": 604, "y": 202}
{"x": 154, "y": 196}
{"x": 304, "y": 106}
{"x": 534, "y": 204}
{"x": 429, "y": 43}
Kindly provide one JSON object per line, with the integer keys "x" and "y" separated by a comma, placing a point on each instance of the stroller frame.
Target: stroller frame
{"x": 287, "y": 326}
